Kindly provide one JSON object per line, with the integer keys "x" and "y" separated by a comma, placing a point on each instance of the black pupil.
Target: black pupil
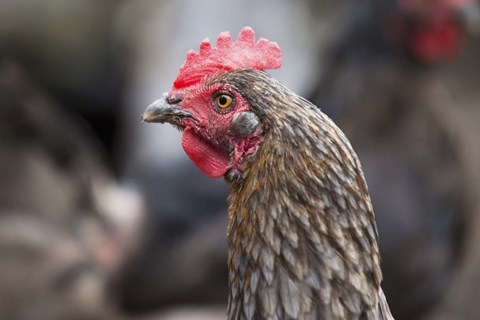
{"x": 223, "y": 100}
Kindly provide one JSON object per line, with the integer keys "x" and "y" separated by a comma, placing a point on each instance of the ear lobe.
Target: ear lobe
{"x": 244, "y": 124}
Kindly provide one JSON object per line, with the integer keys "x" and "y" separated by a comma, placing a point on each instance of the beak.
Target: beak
{"x": 161, "y": 111}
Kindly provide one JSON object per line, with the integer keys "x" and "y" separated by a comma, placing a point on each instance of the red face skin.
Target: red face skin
{"x": 207, "y": 139}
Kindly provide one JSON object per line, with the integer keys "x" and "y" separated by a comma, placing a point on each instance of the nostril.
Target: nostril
{"x": 174, "y": 100}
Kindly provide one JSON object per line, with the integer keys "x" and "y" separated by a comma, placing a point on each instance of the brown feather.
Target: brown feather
{"x": 302, "y": 237}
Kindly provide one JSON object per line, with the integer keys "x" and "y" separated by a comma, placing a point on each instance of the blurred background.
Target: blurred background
{"x": 102, "y": 217}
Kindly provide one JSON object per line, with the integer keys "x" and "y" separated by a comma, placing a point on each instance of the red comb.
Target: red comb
{"x": 227, "y": 55}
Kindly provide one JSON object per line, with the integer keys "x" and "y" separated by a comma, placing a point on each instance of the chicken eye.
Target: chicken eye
{"x": 223, "y": 101}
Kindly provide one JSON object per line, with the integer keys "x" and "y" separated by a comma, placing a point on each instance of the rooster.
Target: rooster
{"x": 302, "y": 238}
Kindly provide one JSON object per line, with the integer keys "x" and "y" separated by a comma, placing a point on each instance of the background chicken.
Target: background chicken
{"x": 402, "y": 123}
{"x": 57, "y": 255}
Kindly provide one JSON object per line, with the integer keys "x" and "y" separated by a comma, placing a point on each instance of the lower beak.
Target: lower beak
{"x": 161, "y": 111}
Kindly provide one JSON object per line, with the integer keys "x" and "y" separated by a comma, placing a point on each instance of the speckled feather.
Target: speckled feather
{"x": 302, "y": 237}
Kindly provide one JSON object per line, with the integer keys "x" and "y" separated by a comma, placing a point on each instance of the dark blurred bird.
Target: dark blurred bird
{"x": 302, "y": 238}
{"x": 57, "y": 247}
{"x": 381, "y": 84}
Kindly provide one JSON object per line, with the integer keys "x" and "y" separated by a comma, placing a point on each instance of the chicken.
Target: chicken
{"x": 58, "y": 247}
{"x": 302, "y": 238}
{"x": 402, "y": 122}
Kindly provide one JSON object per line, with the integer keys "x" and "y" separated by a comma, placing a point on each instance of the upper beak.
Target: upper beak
{"x": 161, "y": 111}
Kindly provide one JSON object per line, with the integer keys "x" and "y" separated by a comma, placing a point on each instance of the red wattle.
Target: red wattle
{"x": 211, "y": 160}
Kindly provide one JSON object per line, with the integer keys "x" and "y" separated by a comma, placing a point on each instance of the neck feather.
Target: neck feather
{"x": 301, "y": 236}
